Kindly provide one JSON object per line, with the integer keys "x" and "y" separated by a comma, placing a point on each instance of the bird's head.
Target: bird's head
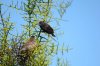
{"x": 41, "y": 23}
{"x": 32, "y": 38}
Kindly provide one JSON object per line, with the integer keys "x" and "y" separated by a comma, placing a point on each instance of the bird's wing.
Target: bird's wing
{"x": 28, "y": 45}
{"x": 48, "y": 27}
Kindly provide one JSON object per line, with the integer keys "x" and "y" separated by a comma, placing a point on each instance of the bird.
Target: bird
{"x": 46, "y": 28}
{"x": 29, "y": 45}
{"x": 27, "y": 50}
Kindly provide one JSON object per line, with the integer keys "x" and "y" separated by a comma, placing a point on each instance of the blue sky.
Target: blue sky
{"x": 81, "y": 32}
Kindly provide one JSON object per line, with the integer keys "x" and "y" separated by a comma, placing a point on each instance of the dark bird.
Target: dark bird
{"x": 46, "y": 28}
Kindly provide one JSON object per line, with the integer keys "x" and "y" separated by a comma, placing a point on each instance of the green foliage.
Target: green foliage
{"x": 10, "y": 44}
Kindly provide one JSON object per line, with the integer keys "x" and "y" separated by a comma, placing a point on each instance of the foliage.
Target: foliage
{"x": 32, "y": 11}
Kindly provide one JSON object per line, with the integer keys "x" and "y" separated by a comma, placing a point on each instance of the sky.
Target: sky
{"x": 81, "y": 32}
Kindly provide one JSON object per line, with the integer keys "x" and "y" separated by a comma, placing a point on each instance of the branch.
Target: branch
{"x": 1, "y": 16}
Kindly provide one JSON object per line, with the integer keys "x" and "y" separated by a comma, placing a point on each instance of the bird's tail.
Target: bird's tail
{"x": 53, "y": 35}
